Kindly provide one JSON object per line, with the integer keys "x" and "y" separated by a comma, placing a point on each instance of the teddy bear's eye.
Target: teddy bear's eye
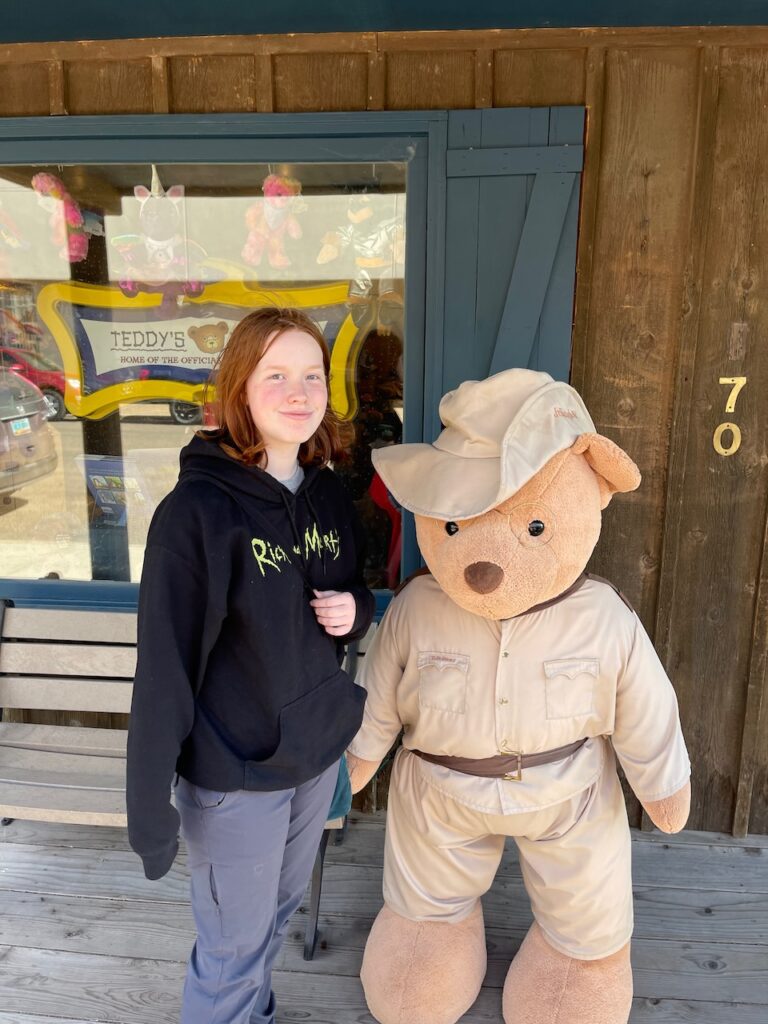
{"x": 536, "y": 527}
{"x": 451, "y": 528}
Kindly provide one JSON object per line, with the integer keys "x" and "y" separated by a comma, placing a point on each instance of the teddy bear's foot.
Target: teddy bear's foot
{"x": 423, "y": 972}
{"x": 544, "y": 986}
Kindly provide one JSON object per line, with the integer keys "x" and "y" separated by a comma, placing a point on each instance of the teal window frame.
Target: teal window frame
{"x": 418, "y": 139}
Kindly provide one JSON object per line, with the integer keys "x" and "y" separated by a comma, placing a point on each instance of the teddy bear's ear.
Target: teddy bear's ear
{"x": 614, "y": 468}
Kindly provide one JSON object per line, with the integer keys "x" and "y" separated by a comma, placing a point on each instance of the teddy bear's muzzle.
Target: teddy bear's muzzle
{"x": 484, "y": 577}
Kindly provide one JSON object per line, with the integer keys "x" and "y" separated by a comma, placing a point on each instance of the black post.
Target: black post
{"x": 108, "y": 539}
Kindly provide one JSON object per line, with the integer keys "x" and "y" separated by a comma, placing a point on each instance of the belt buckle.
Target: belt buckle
{"x": 516, "y": 776}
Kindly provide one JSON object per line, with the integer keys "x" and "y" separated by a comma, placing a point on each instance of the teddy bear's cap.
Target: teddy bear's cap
{"x": 498, "y": 434}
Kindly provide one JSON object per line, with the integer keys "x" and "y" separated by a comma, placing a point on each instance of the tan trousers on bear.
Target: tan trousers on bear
{"x": 441, "y": 856}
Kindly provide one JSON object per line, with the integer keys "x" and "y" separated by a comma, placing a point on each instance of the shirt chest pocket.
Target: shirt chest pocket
{"x": 443, "y": 681}
{"x": 569, "y": 685}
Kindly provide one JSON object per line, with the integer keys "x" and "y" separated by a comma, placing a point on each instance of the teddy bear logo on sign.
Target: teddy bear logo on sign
{"x": 209, "y": 338}
{"x": 517, "y": 679}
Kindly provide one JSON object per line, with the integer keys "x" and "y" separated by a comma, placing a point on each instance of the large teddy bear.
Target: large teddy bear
{"x": 515, "y": 678}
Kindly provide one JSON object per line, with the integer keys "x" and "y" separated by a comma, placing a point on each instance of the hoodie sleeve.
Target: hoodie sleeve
{"x": 177, "y": 626}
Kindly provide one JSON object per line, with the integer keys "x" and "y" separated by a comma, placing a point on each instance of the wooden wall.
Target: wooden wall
{"x": 671, "y": 296}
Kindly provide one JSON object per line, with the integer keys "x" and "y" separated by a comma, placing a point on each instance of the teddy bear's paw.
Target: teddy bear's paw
{"x": 544, "y": 986}
{"x": 670, "y": 814}
{"x": 423, "y": 972}
{"x": 360, "y": 772}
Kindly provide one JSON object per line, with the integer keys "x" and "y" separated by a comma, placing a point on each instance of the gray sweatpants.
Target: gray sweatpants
{"x": 250, "y": 858}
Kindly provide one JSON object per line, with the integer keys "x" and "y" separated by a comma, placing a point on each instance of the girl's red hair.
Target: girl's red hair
{"x": 237, "y": 433}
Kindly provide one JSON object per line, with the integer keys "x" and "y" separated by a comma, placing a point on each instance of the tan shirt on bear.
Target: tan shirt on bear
{"x": 466, "y": 686}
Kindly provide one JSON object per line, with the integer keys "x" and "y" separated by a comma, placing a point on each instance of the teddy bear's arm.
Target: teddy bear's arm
{"x": 647, "y": 736}
{"x": 380, "y": 675}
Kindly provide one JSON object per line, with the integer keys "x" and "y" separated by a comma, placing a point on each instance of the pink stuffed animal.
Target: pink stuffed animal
{"x": 270, "y": 219}
{"x": 66, "y": 221}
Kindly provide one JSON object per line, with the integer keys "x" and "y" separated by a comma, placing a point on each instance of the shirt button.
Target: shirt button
{"x": 503, "y": 700}
{"x": 505, "y": 654}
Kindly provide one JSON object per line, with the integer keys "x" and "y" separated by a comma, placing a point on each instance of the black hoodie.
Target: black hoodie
{"x": 237, "y": 685}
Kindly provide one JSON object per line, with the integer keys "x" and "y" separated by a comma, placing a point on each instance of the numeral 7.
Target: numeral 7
{"x": 738, "y": 383}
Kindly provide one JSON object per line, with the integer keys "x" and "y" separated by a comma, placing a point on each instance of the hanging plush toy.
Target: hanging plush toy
{"x": 66, "y": 221}
{"x": 378, "y": 243}
{"x": 160, "y": 258}
{"x": 270, "y": 220}
{"x": 518, "y": 679}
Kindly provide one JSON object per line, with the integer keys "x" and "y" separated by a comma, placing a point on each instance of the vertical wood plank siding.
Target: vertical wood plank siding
{"x": 216, "y": 84}
{"x": 539, "y": 78}
{"x": 717, "y": 520}
{"x": 24, "y": 90}
{"x": 430, "y": 80}
{"x": 320, "y": 81}
{"x": 123, "y": 87}
{"x": 671, "y": 293}
{"x": 641, "y": 234}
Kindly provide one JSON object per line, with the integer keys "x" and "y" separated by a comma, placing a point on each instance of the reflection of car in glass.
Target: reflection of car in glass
{"x": 185, "y": 413}
{"x": 41, "y": 372}
{"x": 26, "y": 441}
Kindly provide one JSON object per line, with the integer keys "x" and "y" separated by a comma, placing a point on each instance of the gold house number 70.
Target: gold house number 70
{"x": 737, "y": 383}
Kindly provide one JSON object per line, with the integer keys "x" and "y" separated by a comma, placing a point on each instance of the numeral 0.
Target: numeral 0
{"x": 717, "y": 439}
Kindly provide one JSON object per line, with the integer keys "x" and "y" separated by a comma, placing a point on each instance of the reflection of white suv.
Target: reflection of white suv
{"x": 26, "y": 441}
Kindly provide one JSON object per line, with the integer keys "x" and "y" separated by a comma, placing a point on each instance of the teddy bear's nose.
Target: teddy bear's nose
{"x": 483, "y": 577}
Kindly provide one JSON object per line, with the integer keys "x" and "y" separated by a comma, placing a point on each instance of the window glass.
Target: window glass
{"x": 119, "y": 287}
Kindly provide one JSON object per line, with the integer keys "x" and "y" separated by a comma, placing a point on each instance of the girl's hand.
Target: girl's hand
{"x": 335, "y": 611}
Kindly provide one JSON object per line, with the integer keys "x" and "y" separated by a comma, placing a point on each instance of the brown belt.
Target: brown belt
{"x": 505, "y": 766}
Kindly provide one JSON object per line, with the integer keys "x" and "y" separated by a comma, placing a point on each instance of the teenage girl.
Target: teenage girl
{"x": 252, "y": 583}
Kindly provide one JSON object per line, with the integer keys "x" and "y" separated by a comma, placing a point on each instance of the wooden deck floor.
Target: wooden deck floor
{"x": 84, "y": 937}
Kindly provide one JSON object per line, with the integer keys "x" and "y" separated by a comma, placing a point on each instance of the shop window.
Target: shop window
{"x": 120, "y": 285}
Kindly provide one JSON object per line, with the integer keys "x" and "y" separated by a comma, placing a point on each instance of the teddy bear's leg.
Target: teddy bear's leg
{"x": 253, "y": 249}
{"x": 544, "y": 986}
{"x": 573, "y": 967}
{"x": 276, "y": 253}
{"x": 425, "y": 959}
{"x": 423, "y": 972}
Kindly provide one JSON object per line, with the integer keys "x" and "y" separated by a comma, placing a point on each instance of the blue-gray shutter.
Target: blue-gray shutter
{"x": 512, "y": 203}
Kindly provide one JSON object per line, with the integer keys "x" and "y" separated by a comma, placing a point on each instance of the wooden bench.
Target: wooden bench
{"x": 62, "y": 664}
{"x": 65, "y": 663}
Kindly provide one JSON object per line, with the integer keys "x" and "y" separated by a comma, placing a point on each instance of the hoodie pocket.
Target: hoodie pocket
{"x": 315, "y": 729}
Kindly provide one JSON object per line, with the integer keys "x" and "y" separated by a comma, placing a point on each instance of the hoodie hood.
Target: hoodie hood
{"x": 205, "y": 459}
